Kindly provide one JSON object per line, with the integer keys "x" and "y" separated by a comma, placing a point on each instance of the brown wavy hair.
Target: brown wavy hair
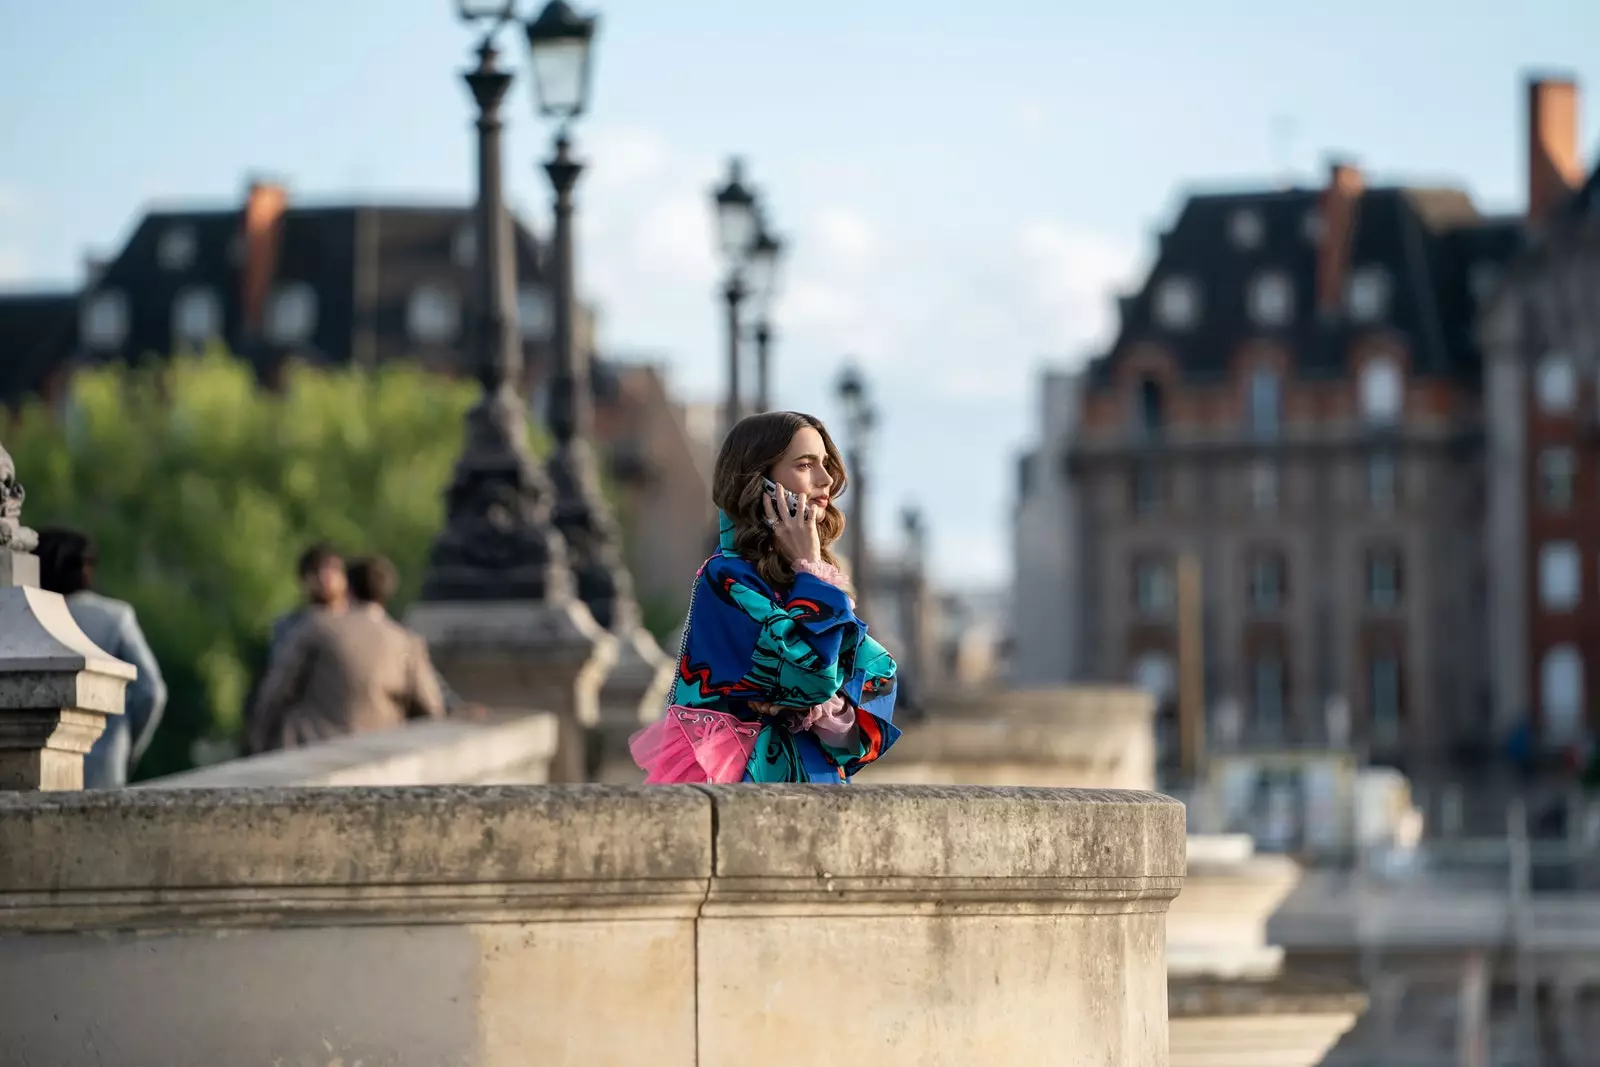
{"x": 748, "y": 454}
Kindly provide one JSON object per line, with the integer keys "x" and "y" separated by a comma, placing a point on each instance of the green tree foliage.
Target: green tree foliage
{"x": 202, "y": 488}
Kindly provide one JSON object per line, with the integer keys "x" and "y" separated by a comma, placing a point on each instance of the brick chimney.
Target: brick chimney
{"x": 263, "y": 224}
{"x": 1554, "y": 169}
{"x": 1337, "y": 207}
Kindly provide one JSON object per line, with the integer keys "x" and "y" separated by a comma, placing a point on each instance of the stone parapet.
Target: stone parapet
{"x": 589, "y": 925}
{"x": 1071, "y": 736}
{"x": 516, "y": 751}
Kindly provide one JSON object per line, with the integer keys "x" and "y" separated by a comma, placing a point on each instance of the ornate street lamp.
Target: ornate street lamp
{"x": 765, "y": 253}
{"x": 497, "y": 542}
{"x": 559, "y": 42}
{"x": 860, "y": 420}
{"x": 738, "y": 225}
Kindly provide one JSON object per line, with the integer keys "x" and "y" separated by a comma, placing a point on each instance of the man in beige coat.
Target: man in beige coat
{"x": 346, "y": 673}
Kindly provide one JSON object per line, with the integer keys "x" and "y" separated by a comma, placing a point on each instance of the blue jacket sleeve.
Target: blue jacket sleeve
{"x": 796, "y": 660}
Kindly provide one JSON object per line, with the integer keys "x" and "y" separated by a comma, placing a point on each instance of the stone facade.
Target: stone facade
{"x": 1542, "y": 351}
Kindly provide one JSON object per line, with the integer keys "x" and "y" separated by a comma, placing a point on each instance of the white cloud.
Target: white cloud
{"x": 845, "y": 239}
{"x": 1071, "y": 278}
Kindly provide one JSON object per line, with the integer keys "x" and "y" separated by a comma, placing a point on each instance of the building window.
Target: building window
{"x": 196, "y": 316}
{"x": 1150, "y": 413}
{"x": 1382, "y": 390}
{"x": 464, "y": 247}
{"x": 1265, "y": 403}
{"x": 1557, "y": 469}
{"x": 1271, "y": 297}
{"x": 1264, "y": 487}
{"x": 1560, "y": 575}
{"x": 536, "y": 313}
{"x": 1382, "y": 482}
{"x": 1383, "y": 580}
{"x": 1266, "y": 583}
{"x": 176, "y": 247}
{"x": 1146, "y": 489}
{"x": 433, "y": 315}
{"x": 1383, "y": 697}
{"x": 1154, "y": 588}
{"x": 1313, "y": 227}
{"x": 1246, "y": 229}
{"x": 1268, "y": 690}
{"x": 1367, "y": 294}
{"x": 105, "y": 320}
{"x": 1556, "y": 384}
{"x": 1156, "y": 674}
{"x": 291, "y": 314}
{"x": 1561, "y": 693}
{"x": 1177, "y": 303}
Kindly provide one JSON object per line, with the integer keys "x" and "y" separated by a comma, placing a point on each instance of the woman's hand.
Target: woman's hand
{"x": 765, "y": 710}
{"x": 795, "y": 535}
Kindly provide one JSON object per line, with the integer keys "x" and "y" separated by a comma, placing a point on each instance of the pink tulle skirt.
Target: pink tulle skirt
{"x": 691, "y": 745}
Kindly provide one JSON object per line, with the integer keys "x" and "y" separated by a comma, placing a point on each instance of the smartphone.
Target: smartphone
{"x": 792, "y": 499}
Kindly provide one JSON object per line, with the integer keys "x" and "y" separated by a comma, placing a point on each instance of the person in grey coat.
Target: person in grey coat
{"x": 67, "y": 560}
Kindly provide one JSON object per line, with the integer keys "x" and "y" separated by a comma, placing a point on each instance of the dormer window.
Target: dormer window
{"x": 1271, "y": 298}
{"x": 433, "y": 314}
{"x": 196, "y": 316}
{"x": 104, "y": 320}
{"x": 1312, "y": 227}
{"x": 1246, "y": 229}
{"x": 1556, "y": 384}
{"x": 176, "y": 247}
{"x": 1177, "y": 304}
{"x": 291, "y": 314}
{"x": 1367, "y": 294}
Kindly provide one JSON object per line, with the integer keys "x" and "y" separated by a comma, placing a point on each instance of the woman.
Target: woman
{"x": 777, "y": 680}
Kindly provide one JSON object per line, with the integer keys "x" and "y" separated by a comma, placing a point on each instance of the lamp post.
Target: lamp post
{"x": 860, "y": 419}
{"x": 559, "y": 43}
{"x": 498, "y": 542}
{"x": 497, "y": 605}
{"x": 737, "y": 226}
{"x": 765, "y": 253}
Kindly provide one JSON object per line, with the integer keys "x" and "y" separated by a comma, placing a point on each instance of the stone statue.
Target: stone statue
{"x": 13, "y": 535}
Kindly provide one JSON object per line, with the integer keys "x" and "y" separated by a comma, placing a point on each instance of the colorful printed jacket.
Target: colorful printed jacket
{"x": 745, "y": 642}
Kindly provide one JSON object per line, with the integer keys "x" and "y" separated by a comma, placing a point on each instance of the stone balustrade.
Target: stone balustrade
{"x": 1095, "y": 737}
{"x": 515, "y": 751}
{"x": 591, "y": 925}
{"x": 1231, "y": 1003}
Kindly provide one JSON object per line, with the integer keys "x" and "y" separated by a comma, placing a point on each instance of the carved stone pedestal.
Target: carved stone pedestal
{"x": 633, "y": 694}
{"x": 521, "y": 657}
{"x": 56, "y": 689}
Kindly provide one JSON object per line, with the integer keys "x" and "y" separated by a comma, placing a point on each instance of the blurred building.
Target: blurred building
{"x": 1295, "y": 400}
{"x": 1542, "y": 350}
{"x": 359, "y": 284}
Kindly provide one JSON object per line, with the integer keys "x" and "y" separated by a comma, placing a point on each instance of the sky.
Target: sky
{"x": 964, "y": 187}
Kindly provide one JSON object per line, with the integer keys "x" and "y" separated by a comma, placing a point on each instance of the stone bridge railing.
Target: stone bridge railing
{"x": 590, "y": 925}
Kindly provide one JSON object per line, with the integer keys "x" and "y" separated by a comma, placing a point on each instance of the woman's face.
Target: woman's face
{"x": 802, "y": 469}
